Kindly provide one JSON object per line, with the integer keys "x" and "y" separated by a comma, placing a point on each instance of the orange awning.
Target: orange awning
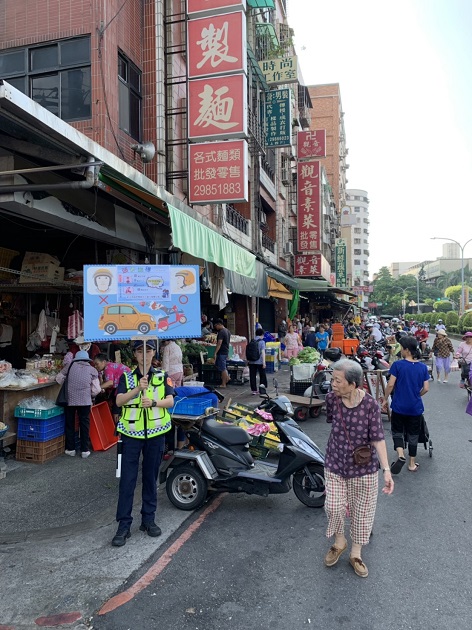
{"x": 276, "y": 289}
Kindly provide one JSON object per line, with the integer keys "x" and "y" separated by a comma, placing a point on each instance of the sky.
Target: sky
{"x": 404, "y": 70}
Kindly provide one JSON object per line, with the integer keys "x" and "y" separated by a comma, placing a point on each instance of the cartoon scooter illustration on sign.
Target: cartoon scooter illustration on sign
{"x": 178, "y": 317}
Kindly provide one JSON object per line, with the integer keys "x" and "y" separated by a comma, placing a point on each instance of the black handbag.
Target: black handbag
{"x": 62, "y": 399}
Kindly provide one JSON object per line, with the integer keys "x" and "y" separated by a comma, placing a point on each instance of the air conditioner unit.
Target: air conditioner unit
{"x": 288, "y": 249}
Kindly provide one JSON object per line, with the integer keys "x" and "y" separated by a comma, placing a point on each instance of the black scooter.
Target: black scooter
{"x": 218, "y": 458}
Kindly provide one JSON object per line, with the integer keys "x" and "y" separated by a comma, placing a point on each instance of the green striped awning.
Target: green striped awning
{"x": 261, "y": 4}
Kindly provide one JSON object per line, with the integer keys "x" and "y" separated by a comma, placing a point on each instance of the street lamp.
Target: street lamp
{"x": 462, "y": 247}
{"x": 404, "y": 291}
{"x": 417, "y": 294}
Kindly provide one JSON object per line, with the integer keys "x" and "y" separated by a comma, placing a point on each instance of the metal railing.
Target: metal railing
{"x": 268, "y": 243}
{"x": 236, "y": 220}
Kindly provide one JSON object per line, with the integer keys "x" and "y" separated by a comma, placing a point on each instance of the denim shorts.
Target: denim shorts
{"x": 220, "y": 362}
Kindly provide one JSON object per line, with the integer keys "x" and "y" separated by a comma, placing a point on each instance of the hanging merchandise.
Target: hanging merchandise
{"x": 75, "y": 325}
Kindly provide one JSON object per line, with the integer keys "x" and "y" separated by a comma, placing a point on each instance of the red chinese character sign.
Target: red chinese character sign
{"x": 214, "y": 6}
{"x": 216, "y": 45}
{"x": 309, "y": 265}
{"x": 218, "y": 172}
{"x": 311, "y": 144}
{"x": 218, "y": 107}
{"x": 309, "y": 206}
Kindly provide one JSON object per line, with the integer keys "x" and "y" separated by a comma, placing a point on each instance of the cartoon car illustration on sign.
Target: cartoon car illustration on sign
{"x": 125, "y": 317}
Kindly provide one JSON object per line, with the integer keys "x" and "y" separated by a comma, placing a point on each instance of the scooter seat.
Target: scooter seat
{"x": 225, "y": 433}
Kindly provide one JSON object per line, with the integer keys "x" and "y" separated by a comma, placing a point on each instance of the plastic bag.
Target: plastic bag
{"x": 37, "y": 402}
{"x": 455, "y": 365}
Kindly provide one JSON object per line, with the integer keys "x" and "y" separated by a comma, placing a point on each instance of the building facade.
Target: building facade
{"x": 355, "y": 231}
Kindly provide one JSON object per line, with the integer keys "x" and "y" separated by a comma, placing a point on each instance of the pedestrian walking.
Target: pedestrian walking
{"x": 356, "y": 422}
{"x": 223, "y": 339}
{"x": 442, "y": 350}
{"x": 292, "y": 342}
{"x": 322, "y": 339}
{"x": 409, "y": 381}
{"x": 110, "y": 374}
{"x": 82, "y": 384}
{"x": 258, "y": 366}
{"x": 172, "y": 361}
{"x": 310, "y": 339}
{"x": 464, "y": 356}
{"x": 144, "y": 396}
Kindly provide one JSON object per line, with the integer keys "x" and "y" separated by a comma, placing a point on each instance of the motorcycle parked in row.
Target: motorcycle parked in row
{"x": 218, "y": 458}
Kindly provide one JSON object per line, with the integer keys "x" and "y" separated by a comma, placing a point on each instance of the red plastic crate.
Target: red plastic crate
{"x": 102, "y": 427}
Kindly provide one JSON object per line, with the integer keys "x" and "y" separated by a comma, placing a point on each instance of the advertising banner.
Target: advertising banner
{"x": 217, "y": 107}
{"x": 216, "y": 45}
{"x": 312, "y": 265}
{"x": 341, "y": 262}
{"x": 124, "y": 301}
{"x": 212, "y": 7}
{"x": 311, "y": 144}
{"x": 218, "y": 172}
{"x": 309, "y": 206}
{"x": 281, "y": 70}
{"x": 278, "y": 118}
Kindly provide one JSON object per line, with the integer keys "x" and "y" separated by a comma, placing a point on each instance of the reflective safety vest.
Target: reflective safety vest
{"x": 141, "y": 423}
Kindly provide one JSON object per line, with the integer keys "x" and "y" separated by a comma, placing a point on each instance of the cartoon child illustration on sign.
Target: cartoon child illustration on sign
{"x": 184, "y": 281}
{"x": 101, "y": 281}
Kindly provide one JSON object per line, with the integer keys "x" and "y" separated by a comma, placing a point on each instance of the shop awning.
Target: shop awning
{"x": 255, "y": 287}
{"x": 261, "y": 4}
{"x": 256, "y": 68}
{"x": 197, "y": 239}
{"x": 320, "y": 286}
{"x": 266, "y": 28}
{"x": 277, "y": 290}
{"x": 290, "y": 281}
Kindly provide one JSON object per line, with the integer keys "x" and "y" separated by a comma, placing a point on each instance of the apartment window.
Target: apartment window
{"x": 357, "y": 241}
{"x": 366, "y": 263}
{"x": 56, "y": 75}
{"x": 357, "y": 230}
{"x": 129, "y": 96}
{"x": 366, "y": 241}
{"x": 357, "y": 209}
{"x": 357, "y": 252}
{"x": 366, "y": 252}
{"x": 365, "y": 231}
{"x": 357, "y": 262}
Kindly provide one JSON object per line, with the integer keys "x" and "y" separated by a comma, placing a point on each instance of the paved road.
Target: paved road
{"x": 257, "y": 563}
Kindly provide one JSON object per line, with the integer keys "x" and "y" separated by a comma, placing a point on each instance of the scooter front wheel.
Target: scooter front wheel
{"x": 309, "y": 485}
{"x": 186, "y": 487}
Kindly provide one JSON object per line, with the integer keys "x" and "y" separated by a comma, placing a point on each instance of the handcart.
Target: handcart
{"x": 423, "y": 437}
{"x": 304, "y": 406}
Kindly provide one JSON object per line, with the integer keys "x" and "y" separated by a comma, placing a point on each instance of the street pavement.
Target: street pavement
{"x": 242, "y": 562}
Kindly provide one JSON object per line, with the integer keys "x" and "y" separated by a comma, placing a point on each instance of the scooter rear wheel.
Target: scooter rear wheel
{"x": 186, "y": 487}
{"x": 310, "y": 489}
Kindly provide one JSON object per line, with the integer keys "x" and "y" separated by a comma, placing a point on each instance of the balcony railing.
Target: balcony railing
{"x": 236, "y": 220}
{"x": 268, "y": 243}
{"x": 268, "y": 164}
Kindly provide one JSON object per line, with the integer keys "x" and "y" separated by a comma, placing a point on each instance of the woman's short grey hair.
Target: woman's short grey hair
{"x": 352, "y": 371}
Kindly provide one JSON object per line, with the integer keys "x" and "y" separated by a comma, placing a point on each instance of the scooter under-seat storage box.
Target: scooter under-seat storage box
{"x": 332, "y": 354}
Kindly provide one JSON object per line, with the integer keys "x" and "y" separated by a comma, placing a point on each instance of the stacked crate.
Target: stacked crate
{"x": 272, "y": 360}
{"x": 40, "y": 434}
{"x": 337, "y": 340}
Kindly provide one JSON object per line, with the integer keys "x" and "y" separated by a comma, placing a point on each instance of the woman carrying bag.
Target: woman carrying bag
{"x": 81, "y": 385}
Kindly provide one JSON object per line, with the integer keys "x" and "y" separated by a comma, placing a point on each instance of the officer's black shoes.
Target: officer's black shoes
{"x": 119, "y": 539}
{"x": 151, "y": 528}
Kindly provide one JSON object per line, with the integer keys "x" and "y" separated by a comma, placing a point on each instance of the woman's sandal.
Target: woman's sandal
{"x": 415, "y": 469}
{"x": 396, "y": 467}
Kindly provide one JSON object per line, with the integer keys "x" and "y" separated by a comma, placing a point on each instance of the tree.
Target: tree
{"x": 443, "y": 306}
{"x": 452, "y": 318}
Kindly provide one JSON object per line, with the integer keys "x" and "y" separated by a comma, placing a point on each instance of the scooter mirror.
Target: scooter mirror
{"x": 262, "y": 390}
{"x": 276, "y": 386}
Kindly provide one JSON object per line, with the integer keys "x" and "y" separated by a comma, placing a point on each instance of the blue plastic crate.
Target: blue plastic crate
{"x": 272, "y": 367}
{"x": 37, "y": 430}
{"x": 24, "y": 412}
{"x": 189, "y": 407}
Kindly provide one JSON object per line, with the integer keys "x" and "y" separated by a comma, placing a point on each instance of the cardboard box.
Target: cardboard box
{"x": 41, "y": 273}
{"x": 37, "y": 258}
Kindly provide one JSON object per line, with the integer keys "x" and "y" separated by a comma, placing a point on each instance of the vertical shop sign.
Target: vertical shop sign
{"x": 218, "y": 172}
{"x": 207, "y": 7}
{"x": 278, "y": 118}
{"x": 218, "y": 107}
{"x": 281, "y": 70}
{"x": 309, "y": 265}
{"x": 124, "y": 301}
{"x": 341, "y": 262}
{"x": 311, "y": 144}
{"x": 309, "y": 206}
{"x": 216, "y": 45}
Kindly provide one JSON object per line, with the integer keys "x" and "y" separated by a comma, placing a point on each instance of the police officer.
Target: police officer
{"x": 144, "y": 400}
